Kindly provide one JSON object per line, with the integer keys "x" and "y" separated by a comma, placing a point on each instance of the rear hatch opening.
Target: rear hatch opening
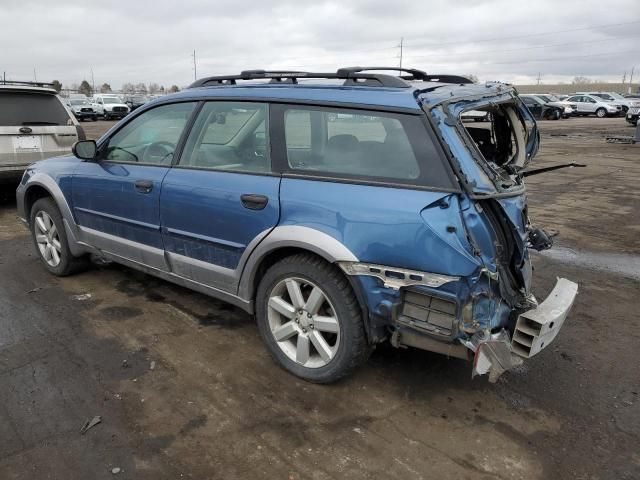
{"x": 506, "y": 140}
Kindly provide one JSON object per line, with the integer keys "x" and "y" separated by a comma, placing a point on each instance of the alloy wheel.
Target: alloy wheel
{"x": 48, "y": 239}
{"x": 303, "y": 322}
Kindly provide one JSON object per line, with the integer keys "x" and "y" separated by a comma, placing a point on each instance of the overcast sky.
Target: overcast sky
{"x": 152, "y": 41}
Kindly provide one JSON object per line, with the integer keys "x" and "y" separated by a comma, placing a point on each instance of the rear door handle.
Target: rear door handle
{"x": 144, "y": 186}
{"x": 253, "y": 201}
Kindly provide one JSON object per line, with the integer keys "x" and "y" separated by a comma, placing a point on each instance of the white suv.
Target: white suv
{"x": 590, "y": 105}
{"x": 34, "y": 124}
{"x": 110, "y": 106}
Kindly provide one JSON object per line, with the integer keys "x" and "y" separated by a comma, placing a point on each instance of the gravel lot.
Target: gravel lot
{"x": 199, "y": 397}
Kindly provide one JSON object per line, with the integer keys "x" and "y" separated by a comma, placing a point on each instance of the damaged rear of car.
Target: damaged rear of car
{"x": 497, "y": 321}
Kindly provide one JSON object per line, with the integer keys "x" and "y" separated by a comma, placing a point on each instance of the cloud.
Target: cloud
{"x": 152, "y": 41}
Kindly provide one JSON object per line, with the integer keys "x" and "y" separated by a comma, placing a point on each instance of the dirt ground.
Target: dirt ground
{"x": 185, "y": 388}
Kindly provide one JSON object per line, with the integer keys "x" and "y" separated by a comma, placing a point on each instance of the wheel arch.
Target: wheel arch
{"x": 285, "y": 241}
{"x": 42, "y": 186}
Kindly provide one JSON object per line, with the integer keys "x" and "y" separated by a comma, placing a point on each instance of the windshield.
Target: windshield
{"x": 550, "y": 98}
{"x": 20, "y": 108}
{"x": 111, "y": 100}
{"x": 79, "y": 102}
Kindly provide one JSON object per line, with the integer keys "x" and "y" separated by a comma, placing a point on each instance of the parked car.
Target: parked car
{"x": 82, "y": 109}
{"x": 109, "y": 106}
{"x": 135, "y": 101}
{"x": 34, "y": 124}
{"x": 542, "y": 110}
{"x": 549, "y": 99}
{"x": 339, "y": 217}
{"x": 632, "y": 116}
{"x": 615, "y": 99}
{"x": 592, "y": 105}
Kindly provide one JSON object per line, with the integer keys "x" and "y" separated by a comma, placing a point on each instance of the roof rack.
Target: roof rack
{"x": 350, "y": 75}
{"x": 26, "y": 84}
{"x": 414, "y": 74}
{"x": 291, "y": 77}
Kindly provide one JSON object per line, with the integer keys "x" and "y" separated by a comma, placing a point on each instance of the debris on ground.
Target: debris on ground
{"x": 81, "y": 297}
{"x": 152, "y": 366}
{"x": 90, "y": 424}
{"x": 34, "y": 290}
{"x": 125, "y": 364}
{"x": 116, "y": 470}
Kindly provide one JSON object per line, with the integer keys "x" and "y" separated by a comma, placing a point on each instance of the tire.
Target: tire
{"x": 94, "y": 118}
{"x": 46, "y": 211}
{"x": 345, "y": 345}
{"x": 601, "y": 113}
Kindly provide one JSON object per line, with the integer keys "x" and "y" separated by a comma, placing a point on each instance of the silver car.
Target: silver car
{"x": 615, "y": 99}
{"x": 34, "y": 124}
{"x": 592, "y": 105}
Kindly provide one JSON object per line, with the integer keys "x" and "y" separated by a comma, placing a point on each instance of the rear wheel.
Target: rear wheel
{"x": 310, "y": 320}
{"x": 601, "y": 113}
{"x": 50, "y": 239}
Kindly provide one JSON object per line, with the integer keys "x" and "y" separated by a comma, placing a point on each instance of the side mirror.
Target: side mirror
{"x": 85, "y": 149}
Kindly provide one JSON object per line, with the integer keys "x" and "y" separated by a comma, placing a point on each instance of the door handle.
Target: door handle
{"x": 253, "y": 201}
{"x": 144, "y": 186}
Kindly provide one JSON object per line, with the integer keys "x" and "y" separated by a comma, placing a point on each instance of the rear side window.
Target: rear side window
{"x": 229, "y": 136}
{"x": 356, "y": 144}
{"x": 18, "y": 108}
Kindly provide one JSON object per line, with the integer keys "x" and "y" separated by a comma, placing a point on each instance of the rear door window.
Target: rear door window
{"x": 19, "y": 108}
{"x": 230, "y": 136}
{"x": 357, "y": 144}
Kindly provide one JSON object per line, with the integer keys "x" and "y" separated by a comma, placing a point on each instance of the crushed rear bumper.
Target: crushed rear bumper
{"x": 535, "y": 330}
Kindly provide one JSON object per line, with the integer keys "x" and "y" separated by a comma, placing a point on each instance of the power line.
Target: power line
{"x": 524, "y": 36}
{"x": 524, "y": 48}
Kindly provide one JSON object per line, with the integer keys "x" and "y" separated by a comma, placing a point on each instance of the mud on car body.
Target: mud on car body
{"x": 342, "y": 213}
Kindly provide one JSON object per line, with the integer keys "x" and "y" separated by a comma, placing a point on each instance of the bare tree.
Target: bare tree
{"x": 85, "y": 88}
{"x": 472, "y": 77}
{"x": 174, "y": 88}
{"x": 128, "y": 87}
{"x": 141, "y": 88}
{"x": 581, "y": 80}
{"x": 153, "y": 88}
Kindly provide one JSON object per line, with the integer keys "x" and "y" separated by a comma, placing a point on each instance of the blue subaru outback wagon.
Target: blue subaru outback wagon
{"x": 341, "y": 209}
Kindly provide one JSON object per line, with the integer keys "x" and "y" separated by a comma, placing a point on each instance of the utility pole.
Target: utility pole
{"x": 195, "y": 67}
{"x": 631, "y": 79}
{"x": 93, "y": 83}
{"x": 624, "y": 78}
{"x": 538, "y": 79}
{"x": 35, "y": 79}
{"x": 401, "y": 53}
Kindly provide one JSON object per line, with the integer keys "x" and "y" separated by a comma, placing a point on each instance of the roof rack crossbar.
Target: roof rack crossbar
{"x": 25, "y": 83}
{"x": 287, "y": 76}
{"x": 414, "y": 74}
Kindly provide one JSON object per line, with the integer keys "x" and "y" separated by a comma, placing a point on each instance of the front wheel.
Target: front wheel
{"x": 310, "y": 320}
{"x": 50, "y": 239}
{"x": 601, "y": 113}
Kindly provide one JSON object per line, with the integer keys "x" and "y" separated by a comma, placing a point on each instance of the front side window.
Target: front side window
{"x": 150, "y": 138}
{"x": 230, "y": 136}
{"x": 355, "y": 144}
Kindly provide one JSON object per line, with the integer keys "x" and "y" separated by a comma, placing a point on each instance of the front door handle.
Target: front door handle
{"x": 253, "y": 201}
{"x": 144, "y": 186}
